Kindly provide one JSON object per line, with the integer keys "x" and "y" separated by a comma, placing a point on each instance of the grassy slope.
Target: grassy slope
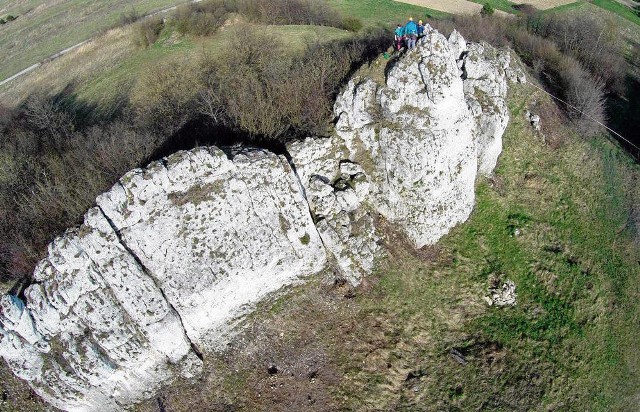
{"x": 569, "y": 344}
{"x": 103, "y": 73}
{"x": 608, "y": 5}
{"x": 111, "y": 85}
{"x": 43, "y": 29}
{"x": 618, "y": 9}
{"x": 503, "y": 5}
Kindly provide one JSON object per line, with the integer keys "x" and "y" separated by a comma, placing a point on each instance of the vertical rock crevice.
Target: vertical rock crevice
{"x": 147, "y": 272}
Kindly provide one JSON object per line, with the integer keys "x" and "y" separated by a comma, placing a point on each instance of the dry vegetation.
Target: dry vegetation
{"x": 45, "y": 28}
{"x": 386, "y": 345}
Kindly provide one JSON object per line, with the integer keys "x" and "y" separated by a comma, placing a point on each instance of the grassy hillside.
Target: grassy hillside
{"x": 103, "y": 72}
{"x": 45, "y": 28}
{"x": 384, "y": 12}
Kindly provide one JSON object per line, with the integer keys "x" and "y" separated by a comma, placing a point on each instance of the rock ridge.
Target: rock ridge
{"x": 173, "y": 255}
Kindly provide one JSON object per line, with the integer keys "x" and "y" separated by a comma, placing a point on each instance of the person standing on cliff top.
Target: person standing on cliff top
{"x": 398, "y": 37}
{"x": 411, "y": 33}
{"x": 420, "y": 29}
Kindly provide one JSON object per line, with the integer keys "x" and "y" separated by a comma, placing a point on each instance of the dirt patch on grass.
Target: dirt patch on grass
{"x": 546, "y": 4}
{"x": 448, "y": 6}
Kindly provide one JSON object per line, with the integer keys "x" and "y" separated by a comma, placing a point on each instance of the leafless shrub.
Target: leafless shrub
{"x": 262, "y": 90}
{"x": 164, "y": 97}
{"x": 130, "y": 16}
{"x": 46, "y": 189}
{"x": 593, "y": 41}
{"x": 54, "y": 124}
{"x": 586, "y": 95}
{"x": 492, "y": 29}
{"x": 203, "y": 18}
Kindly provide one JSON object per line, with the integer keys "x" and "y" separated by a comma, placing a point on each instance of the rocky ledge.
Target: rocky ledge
{"x": 174, "y": 254}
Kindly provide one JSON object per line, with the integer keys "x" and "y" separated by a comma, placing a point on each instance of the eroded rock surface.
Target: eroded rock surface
{"x": 174, "y": 253}
{"x": 156, "y": 274}
{"x": 421, "y": 138}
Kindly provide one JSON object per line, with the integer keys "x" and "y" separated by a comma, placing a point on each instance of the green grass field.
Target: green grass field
{"x": 618, "y": 9}
{"x": 387, "y": 13}
{"x": 45, "y": 28}
{"x": 503, "y": 5}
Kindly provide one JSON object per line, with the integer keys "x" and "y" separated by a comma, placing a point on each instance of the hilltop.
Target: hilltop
{"x": 558, "y": 217}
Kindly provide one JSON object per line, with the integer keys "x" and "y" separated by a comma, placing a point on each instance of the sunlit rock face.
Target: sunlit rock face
{"x": 176, "y": 253}
{"x": 157, "y": 273}
{"x": 421, "y": 138}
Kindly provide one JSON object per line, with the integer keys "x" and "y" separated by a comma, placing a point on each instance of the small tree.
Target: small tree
{"x": 3, "y": 21}
{"x": 487, "y": 10}
{"x": 10, "y": 18}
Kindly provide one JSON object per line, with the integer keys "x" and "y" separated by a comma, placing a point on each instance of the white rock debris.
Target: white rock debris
{"x": 502, "y": 295}
{"x": 174, "y": 254}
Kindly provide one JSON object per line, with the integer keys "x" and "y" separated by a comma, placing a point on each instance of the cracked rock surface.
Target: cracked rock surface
{"x": 170, "y": 258}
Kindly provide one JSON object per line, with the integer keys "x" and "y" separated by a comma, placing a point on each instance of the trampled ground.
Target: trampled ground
{"x": 546, "y": 4}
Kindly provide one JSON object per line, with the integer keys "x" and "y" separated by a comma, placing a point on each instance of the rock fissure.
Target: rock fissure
{"x": 292, "y": 165}
{"x": 147, "y": 272}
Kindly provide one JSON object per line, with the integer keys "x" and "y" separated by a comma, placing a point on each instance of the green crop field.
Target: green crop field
{"x": 44, "y": 28}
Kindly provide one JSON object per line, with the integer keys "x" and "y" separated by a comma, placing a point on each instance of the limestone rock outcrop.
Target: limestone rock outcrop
{"x": 420, "y": 139}
{"x": 157, "y": 273}
{"x": 174, "y": 254}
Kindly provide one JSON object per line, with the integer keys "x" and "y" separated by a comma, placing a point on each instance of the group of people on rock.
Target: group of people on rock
{"x": 408, "y": 34}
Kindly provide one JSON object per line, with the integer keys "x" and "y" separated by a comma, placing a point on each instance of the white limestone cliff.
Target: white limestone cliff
{"x": 174, "y": 254}
{"x": 420, "y": 139}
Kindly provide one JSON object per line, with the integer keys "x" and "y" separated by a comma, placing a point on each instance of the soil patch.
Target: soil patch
{"x": 547, "y": 4}
{"x": 448, "y": 6}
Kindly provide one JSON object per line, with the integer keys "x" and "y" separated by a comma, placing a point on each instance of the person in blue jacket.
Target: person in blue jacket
{"x": 398, "y": 37}
{"x": 420, "y": 29}
{"x": 411, "y": 33}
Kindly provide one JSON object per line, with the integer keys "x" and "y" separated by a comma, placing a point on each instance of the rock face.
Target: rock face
{"x": 175, "y": 253}
{"x": 171, "y": 255}
{"x": 420, "y": 139}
